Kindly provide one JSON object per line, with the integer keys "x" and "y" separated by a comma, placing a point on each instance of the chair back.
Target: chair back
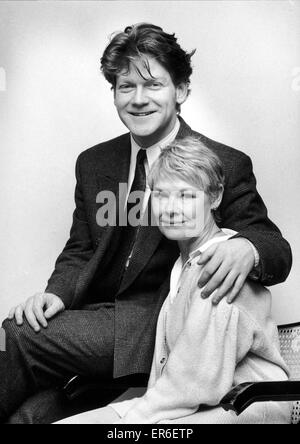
{"x": 289, "y": 336}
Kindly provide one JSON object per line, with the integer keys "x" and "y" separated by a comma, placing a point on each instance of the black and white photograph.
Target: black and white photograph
{"x": 149, "y": 194}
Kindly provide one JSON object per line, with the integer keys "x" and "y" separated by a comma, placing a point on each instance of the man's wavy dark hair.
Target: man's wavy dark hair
{"x": 146, "y": 39}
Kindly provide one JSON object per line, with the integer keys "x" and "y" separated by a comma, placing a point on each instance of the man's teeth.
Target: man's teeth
{"x": 142, "y": 114}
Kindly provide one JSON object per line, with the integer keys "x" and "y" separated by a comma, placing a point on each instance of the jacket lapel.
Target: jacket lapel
{"x": 147, "y": 241}
{"x": 117, "y": 163}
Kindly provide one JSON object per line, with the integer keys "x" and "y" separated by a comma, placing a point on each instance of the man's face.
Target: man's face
{"x": 147, "y": 106}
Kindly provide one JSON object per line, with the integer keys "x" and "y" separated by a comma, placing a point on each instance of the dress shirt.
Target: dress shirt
{"x": 153, "y": 153}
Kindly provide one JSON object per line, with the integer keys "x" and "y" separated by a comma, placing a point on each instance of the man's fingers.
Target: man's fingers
{"x": 19, "y": 314}
{"x": 11, "y": 314}
{"x": 239, "y": 283}
{"x": 206, "y": 255}
{"x": 52, "y": 311}
{"x": 39, "y": 313}
{"x": 30, "y": 316}
{"x": 215, "y": 281}
{"x": 225, "y": 288}
{"x": 209, "y": 270}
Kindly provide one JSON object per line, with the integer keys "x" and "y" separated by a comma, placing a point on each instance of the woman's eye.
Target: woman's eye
{"x": 156, "y": 194}
{"x": 160, "y": 195}
{"x": 188, "y": 195}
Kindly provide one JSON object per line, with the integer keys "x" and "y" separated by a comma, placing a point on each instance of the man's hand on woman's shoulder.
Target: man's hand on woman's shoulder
{"x": 37, "y": 310}
{"x": 226, "y": 266}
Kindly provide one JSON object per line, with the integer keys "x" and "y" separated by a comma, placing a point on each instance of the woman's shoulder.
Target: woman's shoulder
{"x": 254, "y": 300}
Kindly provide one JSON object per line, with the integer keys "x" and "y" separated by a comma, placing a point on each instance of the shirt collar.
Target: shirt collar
{"x": 227, "y": 234}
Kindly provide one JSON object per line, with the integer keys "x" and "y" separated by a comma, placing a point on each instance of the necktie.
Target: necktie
{"x": 138, "y": 184}
{"x": 139, "y": 181}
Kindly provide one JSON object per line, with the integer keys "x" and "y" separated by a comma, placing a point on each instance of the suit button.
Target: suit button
{"x": 163, "y": 360}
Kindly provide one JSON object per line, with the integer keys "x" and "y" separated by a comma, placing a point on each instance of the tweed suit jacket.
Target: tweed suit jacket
{"x": 103, "y": 167}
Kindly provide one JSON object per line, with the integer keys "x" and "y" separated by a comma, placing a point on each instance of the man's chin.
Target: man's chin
{"x": 145, "y": 129}
{"x": 142, "y": 131}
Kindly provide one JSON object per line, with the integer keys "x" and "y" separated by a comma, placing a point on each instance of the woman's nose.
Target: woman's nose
{"x": 172, "y": 206}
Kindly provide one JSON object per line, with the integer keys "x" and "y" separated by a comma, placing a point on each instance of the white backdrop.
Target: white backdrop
{"x": 54, "y": 103}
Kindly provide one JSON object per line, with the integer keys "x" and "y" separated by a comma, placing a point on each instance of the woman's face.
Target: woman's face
{"x": 181, "y": 210}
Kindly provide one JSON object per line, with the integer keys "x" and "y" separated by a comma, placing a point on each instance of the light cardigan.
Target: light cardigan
{"x": 203, "y": 350}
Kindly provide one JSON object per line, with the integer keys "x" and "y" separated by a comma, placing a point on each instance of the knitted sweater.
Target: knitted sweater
{"x": 203, "y": 350}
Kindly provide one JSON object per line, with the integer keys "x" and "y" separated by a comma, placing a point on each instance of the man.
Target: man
{"x": 110, "y": 281}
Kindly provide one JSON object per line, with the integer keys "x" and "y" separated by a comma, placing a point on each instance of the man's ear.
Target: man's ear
{"x": 182, "y": 92}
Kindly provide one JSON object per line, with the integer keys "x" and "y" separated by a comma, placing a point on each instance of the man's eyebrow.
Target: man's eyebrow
{"x": 125, "y": 81}
{"x": 123, "y": 78}
{"x": 156, "y": 79}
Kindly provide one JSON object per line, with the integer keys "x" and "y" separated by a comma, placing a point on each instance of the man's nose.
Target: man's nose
{"x": 140, "y": 96}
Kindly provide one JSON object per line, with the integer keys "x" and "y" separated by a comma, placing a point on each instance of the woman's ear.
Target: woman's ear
{"x": 218, "y": 199}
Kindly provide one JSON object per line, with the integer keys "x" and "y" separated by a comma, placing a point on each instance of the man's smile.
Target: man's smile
{"x": 141, "y": 114}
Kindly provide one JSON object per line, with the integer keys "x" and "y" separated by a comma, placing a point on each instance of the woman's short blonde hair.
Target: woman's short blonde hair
{"x": 192, "y": 161}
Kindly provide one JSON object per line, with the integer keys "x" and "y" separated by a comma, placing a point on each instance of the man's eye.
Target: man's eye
{"x": 155, "y": 85}
{"x": 125, "y": 87}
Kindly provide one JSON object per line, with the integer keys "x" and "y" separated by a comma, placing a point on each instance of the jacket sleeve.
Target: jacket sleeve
{"x": 77, "y": 252}
{"x": 243, "y": 210}
{"x": 201, "y": 366}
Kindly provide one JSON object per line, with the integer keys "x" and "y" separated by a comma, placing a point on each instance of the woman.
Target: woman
{"x": 202, "y": 350}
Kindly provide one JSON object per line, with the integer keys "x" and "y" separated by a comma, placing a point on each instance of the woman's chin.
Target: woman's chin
{"x": 173, "y": 233}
